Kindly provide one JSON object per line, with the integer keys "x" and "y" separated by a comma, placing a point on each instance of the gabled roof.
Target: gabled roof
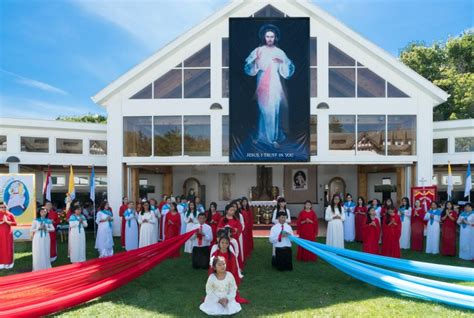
{"x": 307, "y": 8}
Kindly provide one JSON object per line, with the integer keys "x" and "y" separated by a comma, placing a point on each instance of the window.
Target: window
{"x": 189, "y": 79}
{"x": 3, "y": 143}
{"x": 225, "y": 68}
{"x": 146, "y": 93}
{"x": 58, "y": 181}
{"x": 34, "y": 144}
{"x": 169, "y": 85}
{"x": 167, "y": 136}
{"x": 101, "y": 181}
{"x": 440, "y": 145}
{"x": 371, "y": 135}
{"x": 341, "y": 82}
{"x": 98, "y": 147}
{"x": 392, "y": 91}
{"x": 457, "y": 179}
{"x": 137, "y": 136}
{"x": 350, "y": 78}
{"x": 225, "y": 135}
{"x": 313, "y": 59}
{"x": 342, "y": 133}
{"x": 401, "y": 135}
{"x": 197, "y": 135}
{"x": 197, "y": 83}
{"x": 313, "y": 133}
{"x": 269, "y": 11}
{"x": 369, "y": 84}
{"x": 73, "y": 146}
{"x": 464, "y": 144}
{"x": 81, "y": 180}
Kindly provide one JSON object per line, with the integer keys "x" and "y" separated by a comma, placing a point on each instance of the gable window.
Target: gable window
{"x": 349, "y": 78}
{"x": 189, "y": 79}
{"x": 225, "y": 68}
{"x": 313, "y": 62}
{"x": 146, "y": 93}
{"x": 371, "y": 134}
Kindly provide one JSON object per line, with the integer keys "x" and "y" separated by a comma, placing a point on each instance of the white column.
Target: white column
{"x": 114, "y": 160}
{"x": 424, "y": 142}
{"x": 216, "y": 133}
{"x": 14, "y": 168}
{"x": 323, "y": 133}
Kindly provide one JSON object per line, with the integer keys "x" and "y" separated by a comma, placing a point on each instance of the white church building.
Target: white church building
{"x": 371, "y": 125}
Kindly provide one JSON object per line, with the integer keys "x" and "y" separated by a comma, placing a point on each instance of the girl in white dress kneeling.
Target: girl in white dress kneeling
{"x": 77, "y": 236}
{"x": 41, "y": 242}
{"x": 220, "y": 291}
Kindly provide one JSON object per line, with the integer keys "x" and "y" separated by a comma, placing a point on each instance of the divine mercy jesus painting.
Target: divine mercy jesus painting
{"x": 269, "y": 89}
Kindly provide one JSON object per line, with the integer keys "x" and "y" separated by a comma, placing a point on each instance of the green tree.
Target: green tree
{"x": 450, "y": 66}
{"x": 89, "y": 118}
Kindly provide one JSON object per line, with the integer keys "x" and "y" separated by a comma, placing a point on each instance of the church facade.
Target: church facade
{"x": 371, "y": 125}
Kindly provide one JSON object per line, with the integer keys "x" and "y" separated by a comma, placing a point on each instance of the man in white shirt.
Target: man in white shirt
{"x": 200, "y": 243}
{"x": 281, "y": 243}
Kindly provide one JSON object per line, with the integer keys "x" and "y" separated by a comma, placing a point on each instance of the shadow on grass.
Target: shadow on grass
{"x": 173, "y": 288}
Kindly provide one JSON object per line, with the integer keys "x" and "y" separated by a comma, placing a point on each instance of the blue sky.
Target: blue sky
{"x": 56, "y": 54}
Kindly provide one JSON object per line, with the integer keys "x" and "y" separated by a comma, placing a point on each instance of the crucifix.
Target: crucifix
{"x": 423, "y": 181}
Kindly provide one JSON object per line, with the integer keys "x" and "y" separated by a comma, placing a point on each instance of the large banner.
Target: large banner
{"x": 17, "y": 191}
{"x": 426, "y": 195}
{"x": 269, "y": 89}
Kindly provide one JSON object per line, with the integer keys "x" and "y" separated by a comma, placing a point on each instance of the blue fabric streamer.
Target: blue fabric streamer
{"x": 429, "y": 269}
{"x": 387, "y": 279}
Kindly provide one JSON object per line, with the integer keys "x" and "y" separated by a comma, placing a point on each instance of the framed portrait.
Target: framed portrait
{"x": 225, "y": 186}
{"x": 300, "y": 183}
{"x": 300, "y": 179}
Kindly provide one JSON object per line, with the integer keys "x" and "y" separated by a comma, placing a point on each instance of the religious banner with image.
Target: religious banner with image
{"x": 18, "y": 193}
{"x": 300, "y": 183}
{"x": 269, "y": 93}
{"x": 426, "y": 195}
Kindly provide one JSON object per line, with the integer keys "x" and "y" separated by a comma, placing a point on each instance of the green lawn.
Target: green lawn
{"x": 174, "y": 289}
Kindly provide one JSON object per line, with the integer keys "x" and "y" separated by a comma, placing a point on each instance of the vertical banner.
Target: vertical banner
{"x": 18, "y": 193}
{"x": 426, "y": 195}
{"x": 269, "y": 89}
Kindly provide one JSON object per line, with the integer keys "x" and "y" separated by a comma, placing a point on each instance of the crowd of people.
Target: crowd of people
{"x": 223, "y": 241}
{"x": 385, "y": 229}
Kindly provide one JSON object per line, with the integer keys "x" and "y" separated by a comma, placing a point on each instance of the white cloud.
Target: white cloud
{"x": 18, "y": 107}
{"x": 153, "y": 23}
{"x": 35, "y": 83}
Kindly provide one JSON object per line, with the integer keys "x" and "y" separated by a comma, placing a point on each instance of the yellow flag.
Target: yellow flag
{"x": 71, "y": 190}
{"x": 450, "y": 182}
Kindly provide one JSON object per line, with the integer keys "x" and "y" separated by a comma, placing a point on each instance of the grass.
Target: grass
{"x": 174, "y": 289}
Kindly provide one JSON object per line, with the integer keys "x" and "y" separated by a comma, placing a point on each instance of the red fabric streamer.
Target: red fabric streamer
{"x": 48, "y": 291}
